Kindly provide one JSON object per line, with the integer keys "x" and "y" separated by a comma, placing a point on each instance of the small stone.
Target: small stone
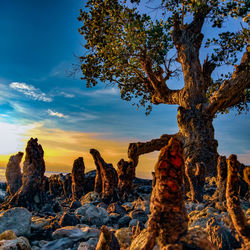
{"x": 20, "y": 243}
{"x": 8, "y": 235}
{"x": 68, "y": 220}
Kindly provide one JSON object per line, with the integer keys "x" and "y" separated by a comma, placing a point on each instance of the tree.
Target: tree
{"x": 139, "y": 55}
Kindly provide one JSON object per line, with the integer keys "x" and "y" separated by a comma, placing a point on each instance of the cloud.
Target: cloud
{"x": 67, "y": 95}
{"x": 99, "y": 92}
{"x": 30, "y": 91}
{"x": 57, "y": 114}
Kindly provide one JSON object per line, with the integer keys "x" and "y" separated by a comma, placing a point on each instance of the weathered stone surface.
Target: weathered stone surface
{"x": 31, "y": 191}
{"x": 75, "y": 204}
{"x": 60, "y": 244}
{"x": 124, "y": 237}
{"x": 20, "y": 243}
{"x": 78, "y": 178}
{"x": 8, "y": 235}
{"x": 124, "y": 221}
{"x": 126, "y": 174}
{"x": 56, "y": 184}
{"x": 90, "y": 181}
{"x": 13, "y": 173}
{"x": 107, "y": 240}
{"x": 16, "y": 219}
{"x": 221, "y": 236}
{"x": 75, "y": 233}
{"x": 168, "y": 219}
{"x": 93, "y": 215}
{"x": 91, "y": 197}
{"x": 88, "y": 245}
{"x": 139, "y": 215}
{"x": 67, "y": 183}
{"x": 116, "y": 208}
{"x": 195, "y": 172}
{"x": 109, "y": 177}
{"x": 68, "y": 220}
{"x": 221, "y": 181}
{"x": 233, "y": 202}
{"x": 38, "y": 223}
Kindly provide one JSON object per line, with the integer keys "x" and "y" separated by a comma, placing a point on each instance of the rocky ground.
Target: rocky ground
{"x": 67, "y": 224}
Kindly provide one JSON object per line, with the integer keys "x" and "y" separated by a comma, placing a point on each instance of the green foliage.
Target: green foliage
{"x": 119, "y": 38}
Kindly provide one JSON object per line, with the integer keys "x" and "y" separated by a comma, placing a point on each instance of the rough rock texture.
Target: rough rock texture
{"x": 60, "y": 185}
{"x": 31, "y": 191}
{"x": 8, "y": 235}
{"x": 78, "y": 178}
{"x": 221, "y": 181}
{"x": 75, "y": 233}
{"x": 20, "y": 243}
{"x": 233, "y": 202}
{"x": 60, "y": 244}
{"x": 107, "y": 240}
{"x": 91, "y": 197}
{"x": 126, "y": 174}
{"x": 168, "y": 219}
{"x": 16, "y": 219}
{"x": 195, "y": 172}
{"x": 109, "y": 177}
{"x": 13, "y": 173}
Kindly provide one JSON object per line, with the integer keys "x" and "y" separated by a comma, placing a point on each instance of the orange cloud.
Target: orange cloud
{"x": 61, "y": 147}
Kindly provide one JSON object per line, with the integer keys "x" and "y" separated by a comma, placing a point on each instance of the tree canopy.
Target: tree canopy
{"x": 140, "y": 54}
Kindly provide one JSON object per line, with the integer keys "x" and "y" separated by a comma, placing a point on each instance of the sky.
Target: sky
{"x": 38, "y": 97}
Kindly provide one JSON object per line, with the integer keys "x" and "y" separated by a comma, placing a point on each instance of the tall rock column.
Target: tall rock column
{"x": 13, "y": 173}
{"x": 221, "y": 181}
{"x": 233, "y": 202}
{"x": 168, "y": 219}
{"x": 78, "y": 178}
{"x": 126, "y": 175}
{"x": 109, "y": 176}
{"x": 31, "y": 191}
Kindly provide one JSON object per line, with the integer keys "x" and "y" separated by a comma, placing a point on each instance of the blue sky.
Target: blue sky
{"x": 38, "y": 45}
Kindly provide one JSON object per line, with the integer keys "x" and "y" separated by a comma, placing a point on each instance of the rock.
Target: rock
{"x": 75, "y": 204}
{"x": 140, "y": 204}
{"x": 103, "y": 205}
{"x": 67, "y": 183}
{"x": 16, "y": 219}
{"x": 38, "y": 223}
{"x": 220, "y": 236}
{"x": 90, "y": 181}
{"x": 124, "y": 221}
{"x": 233, "y": 202}
{"x": 128, "y": 206}
{"x": 107, "y": 240}
{"x": 116, "y": 208}
{"x": 8, "y": 235}
{"x": 90, "y": 198}
{"x": 68, "y": 220}
{"x": 33, "y": 175}
{"x": 221, "y": 181}
{"x": 56, "y": 186}
{"x": 140, "y": 241}
{"x": 134, "y": 222}
{"x": 196, "y": 238}
{"x": 124, "y": 237}
{"x": 168, "y": 219}
{"x": 109, "y": 177}
{"x": 60, "y": 244}
{"x": 92, "y": 214}
{"x": 20, "y": 243}
{"x": 114, "y": 217}
{"x": 76, "y": 234}
{"x": 78, "y": 178}
{"x": 13, "y": 173}
{"x": 126, "y": 174}
{"x": 86, "y": 246}
{"x": 139, "y": 215}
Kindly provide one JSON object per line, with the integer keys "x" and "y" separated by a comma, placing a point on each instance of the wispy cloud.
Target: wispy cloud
{"x": 67, "y": 95}
{"x": 99, "y": 92}
{"x": 30, "y": 91}
{"x": 57, "y": 114}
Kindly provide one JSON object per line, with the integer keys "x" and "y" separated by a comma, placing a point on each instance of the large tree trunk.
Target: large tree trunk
{"x": 200, "y": 148}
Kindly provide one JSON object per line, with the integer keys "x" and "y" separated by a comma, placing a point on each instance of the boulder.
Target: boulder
{"x": 124, "y": 221}
{"x": 78, "y": 177}
{"x": 13, "y": 173}
{"x": 90, "y": 181}
{"x": 60, "y": 244}
{"x": 68, "y": 219}
{"x": 91, "y": 197}
{"x": 76, "y": 234}
{"x": 116, "y": 208}
{"x": 124, "y": 237}
{"x": 93, "y": 215}
{"x": 16, "y": 219}
{"x": 20, "y": 243}
{"x": 8, "y": 235}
